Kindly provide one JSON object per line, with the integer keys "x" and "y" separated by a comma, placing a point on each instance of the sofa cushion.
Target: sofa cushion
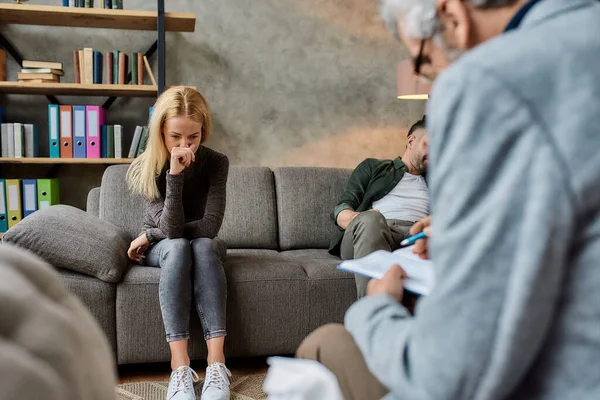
{"x": 70, "y": 238}
{"x": 118, "y": 205}
{"x": 250, "y": 213}
{"x": 263, "y": 288}
{"x": 306, "y": 197}
{"x": 98, "y": 297}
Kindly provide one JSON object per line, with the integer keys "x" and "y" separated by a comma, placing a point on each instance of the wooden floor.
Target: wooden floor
{"x": 162, "y": 371}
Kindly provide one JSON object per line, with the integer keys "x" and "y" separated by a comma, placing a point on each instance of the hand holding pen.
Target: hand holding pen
{"x": 419, "y": 232}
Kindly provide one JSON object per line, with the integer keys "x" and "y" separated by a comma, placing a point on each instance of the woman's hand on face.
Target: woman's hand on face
{"x": 182, "y": 158}
{"x": 137, "y": 247}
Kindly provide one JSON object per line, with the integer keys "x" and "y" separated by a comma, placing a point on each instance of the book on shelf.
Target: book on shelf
{"x": 32, "y": 142}
{"x": 88, "y": 63}
{"x": 43, "y": 77}
{"x": 66, "y": 131}
{"x": 76, "y": 66}
{"x": 2, "y": 65}
{"x": 18, "y": 140}
{"x": 123, "y": 64}
{"x": 42, "y": 64}
{"x": 42, "y": 71}
{"x": 133, "y": 68}
{"x": 118, "y": 129}
{"x": 143, "y": 141}
{"x": 149, "y": 70}
{"x": 81, "y": 66}
{"x": 109, "y": 67}
{"x": 135, "y": 142}
{"x": 97, "y": 67}
{"x": 140, "y": 66}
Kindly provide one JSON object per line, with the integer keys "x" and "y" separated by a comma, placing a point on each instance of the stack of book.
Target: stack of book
{"x": 40, "y": 72}
{"x": 22, "y": 197}
{"x": 89, "y": 67}
{"x": 114, "y": 4}
{"x": 19, "y": 140}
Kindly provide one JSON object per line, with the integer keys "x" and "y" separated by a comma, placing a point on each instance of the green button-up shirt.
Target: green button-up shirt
{"x": 370, "y": 181}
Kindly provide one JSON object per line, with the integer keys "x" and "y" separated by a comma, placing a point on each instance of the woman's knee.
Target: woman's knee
{"x": 205, "y": 247}
{"x": 178, "y": 251}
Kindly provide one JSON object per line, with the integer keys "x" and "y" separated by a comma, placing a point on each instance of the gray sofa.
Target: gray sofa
{"x": 282, "y": 283}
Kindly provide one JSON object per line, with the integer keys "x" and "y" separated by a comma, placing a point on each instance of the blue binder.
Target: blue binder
{"x": 53, "y": 131}
{"x": 29, "y": 194}
{"x": 79, "y": 132}
{"x": 3, "y": 215}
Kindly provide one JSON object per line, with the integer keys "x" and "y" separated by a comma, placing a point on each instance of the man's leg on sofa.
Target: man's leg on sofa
{"x": 368, "y": 232}
{"x": 334, "y": 347}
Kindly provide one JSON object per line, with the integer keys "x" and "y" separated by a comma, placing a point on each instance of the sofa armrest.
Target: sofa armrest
{"x": 93, "y": 202}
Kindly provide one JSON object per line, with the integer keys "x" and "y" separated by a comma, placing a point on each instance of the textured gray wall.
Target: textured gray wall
{"x": 290, "y": 82}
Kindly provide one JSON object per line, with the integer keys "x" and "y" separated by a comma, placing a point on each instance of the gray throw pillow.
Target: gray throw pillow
{"x": 69, "y": 238}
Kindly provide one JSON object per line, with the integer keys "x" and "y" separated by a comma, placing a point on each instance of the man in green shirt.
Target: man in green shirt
{"x": 383, "y": 198}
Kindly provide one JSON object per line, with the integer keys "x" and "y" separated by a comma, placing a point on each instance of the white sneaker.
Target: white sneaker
{"x": 216, "y": 382}
{"x": 181, "y": 384}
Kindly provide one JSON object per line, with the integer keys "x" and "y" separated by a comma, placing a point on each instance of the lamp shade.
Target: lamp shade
{"x": 409, "y": 86}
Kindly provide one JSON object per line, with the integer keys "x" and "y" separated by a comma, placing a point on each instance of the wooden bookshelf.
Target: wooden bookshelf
{"x": 27, "y": 14}
{"x": 78, "y": 89}
{"x": 47, "y": 160}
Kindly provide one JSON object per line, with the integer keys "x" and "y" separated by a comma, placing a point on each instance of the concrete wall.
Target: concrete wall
{"x": 290, "y": 82}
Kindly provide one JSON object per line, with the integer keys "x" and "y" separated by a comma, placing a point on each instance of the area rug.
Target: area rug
{"x": 244, "y": 387}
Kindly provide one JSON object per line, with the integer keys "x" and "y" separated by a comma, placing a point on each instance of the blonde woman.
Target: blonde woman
{"x": 184, "y": 185}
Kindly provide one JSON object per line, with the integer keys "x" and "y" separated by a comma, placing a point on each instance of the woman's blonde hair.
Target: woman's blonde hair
{"x": 179, "y": 101}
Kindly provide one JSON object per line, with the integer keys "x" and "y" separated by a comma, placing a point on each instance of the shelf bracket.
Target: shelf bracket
{"x": 161, "y": 46}
{"x": 16, "y": 55}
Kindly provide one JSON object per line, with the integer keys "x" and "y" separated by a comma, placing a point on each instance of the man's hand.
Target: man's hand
{"x": 422, "y": 245}
{"x": 391, "y": 283}
{"x": 345, "y": 217}
{"x": 138, "y": 247}
{"x": 181, "y": 158}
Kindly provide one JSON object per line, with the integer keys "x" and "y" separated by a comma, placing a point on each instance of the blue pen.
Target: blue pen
{"x": 411, "y": 240}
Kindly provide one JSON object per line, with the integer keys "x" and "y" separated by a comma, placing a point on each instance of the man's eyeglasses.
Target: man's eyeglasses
{"x": 420, "y": 59}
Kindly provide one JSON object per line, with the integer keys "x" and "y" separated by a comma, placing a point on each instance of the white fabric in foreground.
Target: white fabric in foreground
{"x": 298, "y": 379}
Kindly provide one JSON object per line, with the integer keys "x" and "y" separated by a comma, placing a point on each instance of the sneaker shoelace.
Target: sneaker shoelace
{"x": 218, "y": 376}
{"x": 184, "y": 378}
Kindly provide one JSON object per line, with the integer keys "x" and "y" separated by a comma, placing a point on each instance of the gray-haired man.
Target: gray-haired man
{"x": 516, "y": 220}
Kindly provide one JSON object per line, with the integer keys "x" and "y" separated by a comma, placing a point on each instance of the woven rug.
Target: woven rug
{"x": 246, "y": 387}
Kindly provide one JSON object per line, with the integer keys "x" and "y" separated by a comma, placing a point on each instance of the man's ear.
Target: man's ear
{"x": 410, "y": 141}
{"x": 454, "y": 16}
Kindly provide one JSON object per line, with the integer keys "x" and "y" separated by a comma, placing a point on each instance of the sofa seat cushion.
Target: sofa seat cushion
{"x": 267, "y": 310}
{"x": 330, "y": 291}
